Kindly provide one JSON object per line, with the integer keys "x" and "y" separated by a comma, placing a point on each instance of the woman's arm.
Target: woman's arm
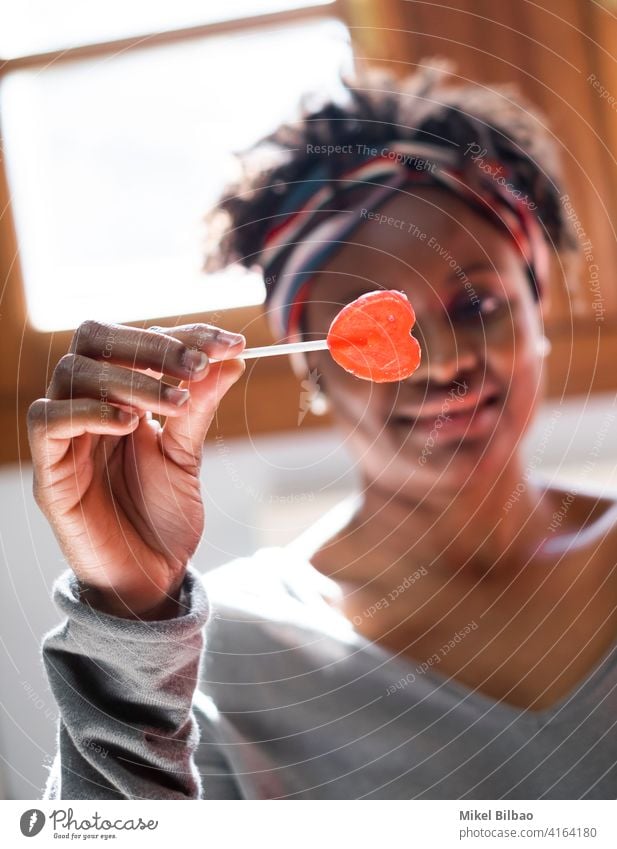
{"x": 123, "y": 496}
{"x": 124, "y": 689}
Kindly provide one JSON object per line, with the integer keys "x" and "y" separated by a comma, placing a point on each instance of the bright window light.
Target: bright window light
{"x": 38, "y": 26}
{"x": 112, "y": 163}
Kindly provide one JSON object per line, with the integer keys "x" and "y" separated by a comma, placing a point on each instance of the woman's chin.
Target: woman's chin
{"x": 455, "y": 458}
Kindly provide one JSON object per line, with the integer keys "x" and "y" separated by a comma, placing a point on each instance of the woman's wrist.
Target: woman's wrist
{"x": 165, "y": 607}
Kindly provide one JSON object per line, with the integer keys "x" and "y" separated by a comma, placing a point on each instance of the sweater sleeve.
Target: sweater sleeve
{"x": 124, "y": 689}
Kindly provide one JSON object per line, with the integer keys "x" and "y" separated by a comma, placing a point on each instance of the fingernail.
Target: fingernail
{"x": 124, "y": 417}
{"x": 176, "y": 396}
{"x": 194, "y": 360}
{"x": 229, "y": 338}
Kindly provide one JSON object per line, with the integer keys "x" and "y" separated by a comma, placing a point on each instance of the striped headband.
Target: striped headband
{"x": 318, "y": 215}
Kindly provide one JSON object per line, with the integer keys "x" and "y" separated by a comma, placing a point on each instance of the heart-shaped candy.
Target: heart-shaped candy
{"x": 371, "y": 337}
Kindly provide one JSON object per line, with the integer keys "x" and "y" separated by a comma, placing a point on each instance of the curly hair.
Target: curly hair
{"x": 378, "y": 108}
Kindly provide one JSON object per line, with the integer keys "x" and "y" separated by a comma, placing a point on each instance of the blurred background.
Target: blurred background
{"x": 117, "y": 121}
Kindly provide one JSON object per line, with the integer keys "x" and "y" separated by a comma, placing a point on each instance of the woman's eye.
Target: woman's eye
{"x": 479, "y": 306}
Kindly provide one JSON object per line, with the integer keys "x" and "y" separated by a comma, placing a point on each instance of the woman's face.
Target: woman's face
{"x": 479, "y": 328}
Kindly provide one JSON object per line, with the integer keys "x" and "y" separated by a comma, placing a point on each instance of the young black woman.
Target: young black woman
{"x": 432, "y": 637}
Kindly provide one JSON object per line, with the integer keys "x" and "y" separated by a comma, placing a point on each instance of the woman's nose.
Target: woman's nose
{"x": 444, "y": 354}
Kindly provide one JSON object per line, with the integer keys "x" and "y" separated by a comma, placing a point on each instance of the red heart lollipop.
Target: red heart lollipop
{"x": 370, "y": 337}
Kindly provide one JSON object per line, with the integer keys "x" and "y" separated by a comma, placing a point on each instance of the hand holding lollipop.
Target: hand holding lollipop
{"x": 370, "y": 338}
{"x": 125, "y": 472}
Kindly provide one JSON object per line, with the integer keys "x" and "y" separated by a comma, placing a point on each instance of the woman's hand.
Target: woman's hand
{"x": 122, "y": 493}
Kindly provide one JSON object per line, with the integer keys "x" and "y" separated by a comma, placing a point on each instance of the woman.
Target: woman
{"x": 432, "y": 637}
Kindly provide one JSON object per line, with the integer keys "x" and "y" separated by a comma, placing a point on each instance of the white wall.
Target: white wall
{"x": 257, "y": 493}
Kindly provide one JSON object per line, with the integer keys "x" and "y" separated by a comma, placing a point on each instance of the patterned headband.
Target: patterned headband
{"x": 318, "y": 216}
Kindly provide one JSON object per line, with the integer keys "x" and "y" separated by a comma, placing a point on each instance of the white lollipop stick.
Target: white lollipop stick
{"x": 286, "y": 348}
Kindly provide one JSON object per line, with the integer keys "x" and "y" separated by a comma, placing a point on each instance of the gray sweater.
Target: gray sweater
{"x": 289, "y": 701}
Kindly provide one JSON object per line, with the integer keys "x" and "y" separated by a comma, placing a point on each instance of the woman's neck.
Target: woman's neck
{"x": 488, "y": 531}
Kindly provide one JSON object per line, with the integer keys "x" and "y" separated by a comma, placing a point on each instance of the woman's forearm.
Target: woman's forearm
{"x": 124, "y": 689}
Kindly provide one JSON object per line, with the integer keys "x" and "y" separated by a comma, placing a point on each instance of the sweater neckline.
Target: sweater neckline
{"x": 580, "y": 693}
{"x": 298, "y": 553}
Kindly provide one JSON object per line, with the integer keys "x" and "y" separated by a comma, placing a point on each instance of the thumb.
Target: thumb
{"x": 183, "y": 435}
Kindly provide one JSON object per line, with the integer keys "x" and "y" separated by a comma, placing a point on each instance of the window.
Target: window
{"x": 36, "y": 26}
{"x": 113, "y": 159}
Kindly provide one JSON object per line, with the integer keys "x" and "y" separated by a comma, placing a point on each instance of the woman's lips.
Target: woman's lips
{"x": 462, "y": 416}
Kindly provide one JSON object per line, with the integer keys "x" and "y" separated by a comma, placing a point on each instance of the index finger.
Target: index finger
{"x": 157, "y": 349}
{"x": 214, "y": 341}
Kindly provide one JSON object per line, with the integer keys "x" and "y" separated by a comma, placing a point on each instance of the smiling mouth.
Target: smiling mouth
{"x": 454, "y": 411}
